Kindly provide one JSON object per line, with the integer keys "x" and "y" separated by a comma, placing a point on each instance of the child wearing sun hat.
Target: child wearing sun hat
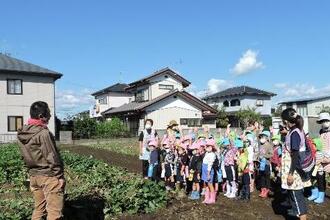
{"x": 265, "y": 153}
{"x": 153, "y": 161}
{"x": 208, "y": 171}
{"x": 243, "y": 170}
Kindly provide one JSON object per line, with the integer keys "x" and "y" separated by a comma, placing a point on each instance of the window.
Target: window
{"x": 166, "y": 87}
{"x": 235, "y": 102}
{"x": 139, "y": 96}
{"x": 226, "y": 103}
{"x": 15, "y": 123}
{"x": 260, "y": 102}
{"x": 191, "y": 122}
{"x": 14, "y": 86}
{"x": 103, "y": 101}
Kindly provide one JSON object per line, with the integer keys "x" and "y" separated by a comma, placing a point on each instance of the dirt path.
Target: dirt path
{"x": 131, "y": 163}
{"x": 185, "y": 209}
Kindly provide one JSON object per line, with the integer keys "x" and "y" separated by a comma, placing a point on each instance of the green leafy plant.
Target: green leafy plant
{"x": 120, "y": 191}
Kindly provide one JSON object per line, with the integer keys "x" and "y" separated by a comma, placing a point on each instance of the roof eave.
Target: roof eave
{"x": 54, "y": 75}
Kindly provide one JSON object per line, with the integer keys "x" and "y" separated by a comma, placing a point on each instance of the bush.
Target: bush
{"x": 84, "y": 127}
{"x": 246, "y": 115}
{"x": 112, "y": 128}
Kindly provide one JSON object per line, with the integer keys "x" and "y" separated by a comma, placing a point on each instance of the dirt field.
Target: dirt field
{"x": 223, "y": 209}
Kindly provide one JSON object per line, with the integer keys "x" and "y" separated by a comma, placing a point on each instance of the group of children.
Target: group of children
{"x": 199, "y": 164}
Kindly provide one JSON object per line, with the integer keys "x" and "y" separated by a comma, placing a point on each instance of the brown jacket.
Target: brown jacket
{"x": 38, "y": 148}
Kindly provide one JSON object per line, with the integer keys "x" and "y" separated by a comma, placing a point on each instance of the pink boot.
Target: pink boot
{"x": 212, "y": 198}
{"x": 207, "y": 196}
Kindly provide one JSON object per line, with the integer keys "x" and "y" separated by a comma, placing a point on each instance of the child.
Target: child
{"x": 169, "y": 163}
{"x": 153, "y": 161}
{"x": 318, "y": 174}
{"x": 243, "y": 170}
{"x": 182, "y": 162}
{"x": 44, "y": 163}
{"x": 276, "y": 158}
{"x": 265, "y": 153}
{"x": 195, "y": 168}
{"x": 229, "y": 161}
{"x": 208, "y": 171}
{"x": 323, "y": 159}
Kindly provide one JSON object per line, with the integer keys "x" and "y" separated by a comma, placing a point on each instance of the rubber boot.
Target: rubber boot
{"x": 198, "y": 196}
{"x": 262, "y": 191}
{"x": 265, "y": 194}
{"x": 207, "y": 196}
{"x": 315, "y": 194}
{"x": 212, "y": 198}
{"x": 228, "y": 192}
{"x": 233, "y": 190}
{"x": 192, "y": 195}
{"x": 320, "y": 199}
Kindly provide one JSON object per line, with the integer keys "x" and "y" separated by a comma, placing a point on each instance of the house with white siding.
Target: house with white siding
{"x": 309, "y": 109}
{"x": 161, "y": 97}
{"x": 241, "y": 97}
{"x": 21, "y": 84}
{"x": 109, "y": 98}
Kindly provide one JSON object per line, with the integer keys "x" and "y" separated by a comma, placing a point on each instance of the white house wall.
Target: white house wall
{"x": 245, "y": 102}
{"x": 154, "y": 88}
{"x": 171, "y": 109}
{"x": 315, "y": 107}
{"x": 114, "y": 100}
{"x": 35, "y": 88}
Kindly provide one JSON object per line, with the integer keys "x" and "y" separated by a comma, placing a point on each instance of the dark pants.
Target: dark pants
{"x": 321, "y": 183}
{"x": 298, "y": 202}
{"x": 245, "y": 186}
{"x": 155, "y": 173}
{"x": 145, "y": 166}
{"x": 265, "y": 177}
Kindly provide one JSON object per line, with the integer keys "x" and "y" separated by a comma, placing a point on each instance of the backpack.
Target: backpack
{"x": 307, "y": 158}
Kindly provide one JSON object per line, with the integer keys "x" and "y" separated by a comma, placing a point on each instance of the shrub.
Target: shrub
{"x": 113, "y": 128}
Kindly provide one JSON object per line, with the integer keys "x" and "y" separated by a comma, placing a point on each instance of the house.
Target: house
{"x": 309, "y": 109}
{"x": 109, "y": 98}
{"x": 161, "y": 97}
{"x": 241, "y": 97}
{"x": 21, "y": 84}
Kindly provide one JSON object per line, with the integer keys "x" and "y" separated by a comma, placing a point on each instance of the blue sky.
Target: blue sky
{"x": 280, "y": 46}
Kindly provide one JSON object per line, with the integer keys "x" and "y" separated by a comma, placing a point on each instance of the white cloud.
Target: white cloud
{"x": 287, "y": 91}
{"x": 69, "y": 102}
{"x": 247, "y": 63}
{"x": 213, "y": 86}
{"x": 216, "y": 85}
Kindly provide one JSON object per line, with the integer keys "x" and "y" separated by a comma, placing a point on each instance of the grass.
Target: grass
{"x": 127, "y": 146}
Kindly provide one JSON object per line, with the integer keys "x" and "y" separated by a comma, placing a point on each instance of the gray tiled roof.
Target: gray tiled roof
{"x": 118, "y": 88}
{"x": 307, "y": 99}
{"x": 240, "y": 90}
{"x": 136, "y": 106}
{"x": 10, "y": 64}
{"x": 166, "y": 70}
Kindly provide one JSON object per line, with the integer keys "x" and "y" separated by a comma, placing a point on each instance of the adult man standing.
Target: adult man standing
{"x": 45, "y": 167}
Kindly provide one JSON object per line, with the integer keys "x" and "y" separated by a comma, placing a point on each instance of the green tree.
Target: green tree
{"x": 84, "y": 127}
{"x": 222, "y": 118}
{"x": 244, "y": 116}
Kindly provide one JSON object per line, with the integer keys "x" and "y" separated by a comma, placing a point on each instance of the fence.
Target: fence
{"x": 8, "y": 138}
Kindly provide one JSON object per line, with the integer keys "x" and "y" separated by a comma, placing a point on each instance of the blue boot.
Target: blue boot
{"x": 198, "y": 196}
{"x": 193, "y": 195}
{"x": 320, "y": 199}
{"x": 315, "y": 194}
